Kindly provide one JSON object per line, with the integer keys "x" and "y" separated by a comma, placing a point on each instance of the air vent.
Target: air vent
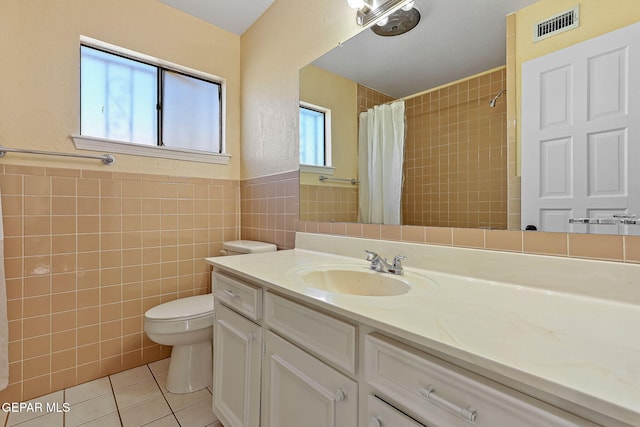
{"x": 556, "y": 24}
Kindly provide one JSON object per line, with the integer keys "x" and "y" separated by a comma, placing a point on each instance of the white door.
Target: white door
{"x": 236, "y": 370}
{"x": 299, "y": 390}
{"x": 581, "y": 134}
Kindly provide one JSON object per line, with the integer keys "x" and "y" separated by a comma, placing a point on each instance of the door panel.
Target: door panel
{"x": 581, "y": 134}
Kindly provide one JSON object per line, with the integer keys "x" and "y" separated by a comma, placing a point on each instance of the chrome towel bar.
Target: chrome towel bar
{"x": 107, "y": 159}
{"x": 323, "y": 178}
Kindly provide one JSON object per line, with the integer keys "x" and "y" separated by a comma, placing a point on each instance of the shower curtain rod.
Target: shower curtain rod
{"x": 107, "y": 159}
{"x": 323, "y": 178}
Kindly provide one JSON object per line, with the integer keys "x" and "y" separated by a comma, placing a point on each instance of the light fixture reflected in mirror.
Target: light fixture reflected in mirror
{"x": 369, "y": 11}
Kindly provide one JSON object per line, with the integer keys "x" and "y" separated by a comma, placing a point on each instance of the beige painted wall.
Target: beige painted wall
{"x": 328, "y": 90}
{"x": 40, "y": 69}
{"x": 288, "y": 36}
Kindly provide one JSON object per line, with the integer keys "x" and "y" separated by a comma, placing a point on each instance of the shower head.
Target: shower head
{"x": 492, "y": 103}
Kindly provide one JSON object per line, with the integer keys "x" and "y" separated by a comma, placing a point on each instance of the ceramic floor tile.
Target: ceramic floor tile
{"x": 145, "y": 412}
{"x": 87, "y": 391}
{"x": 52, "y": 419}
{"x": 36, "y": 408}
{"x": 161, "y": 379}
{"x": 90, "y": 410}
{"x": 198, "y": 415}
{"x": 160, "y": 367}
{"x": 136, "y": 393}
{"x": 110, "y": 420}
{"x": 181, "y": 401}
{"x": 132, "y": 376}
{"x": 168, "y": 421}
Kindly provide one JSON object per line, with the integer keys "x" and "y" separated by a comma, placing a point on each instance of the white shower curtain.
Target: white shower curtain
{"x": 380, "y": 157}
{"x": 4, "y": 333}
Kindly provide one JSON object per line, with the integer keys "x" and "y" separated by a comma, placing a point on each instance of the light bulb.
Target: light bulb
{"x": 356, "y": 4}
{"x": 407, "y": 7}
{"x": 382, "y": 22}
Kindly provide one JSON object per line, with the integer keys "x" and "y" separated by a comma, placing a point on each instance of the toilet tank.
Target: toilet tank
{"x": 237, "y": 247}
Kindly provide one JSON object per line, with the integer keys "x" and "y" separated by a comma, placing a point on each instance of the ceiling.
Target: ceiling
{"x": 454, "y": 39}
{"x": 231, "y": 15}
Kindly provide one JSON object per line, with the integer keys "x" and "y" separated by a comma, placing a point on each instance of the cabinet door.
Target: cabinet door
{"x": 299, "y": 390}
{"x": 236, "y": 374}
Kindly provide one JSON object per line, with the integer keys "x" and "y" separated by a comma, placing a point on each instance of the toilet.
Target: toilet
{"x": 187, "y": 325}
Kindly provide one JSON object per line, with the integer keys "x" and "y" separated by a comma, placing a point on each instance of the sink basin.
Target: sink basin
{"x": 355, "y": 281}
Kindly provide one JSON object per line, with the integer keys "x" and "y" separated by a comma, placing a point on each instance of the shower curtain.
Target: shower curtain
{"x": 380, "y": 156}
{"x": 4, "y": 333}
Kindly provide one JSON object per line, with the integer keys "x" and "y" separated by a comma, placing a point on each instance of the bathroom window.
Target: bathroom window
{"x": 315, "y": 135}
{"x": 134, "y": 105}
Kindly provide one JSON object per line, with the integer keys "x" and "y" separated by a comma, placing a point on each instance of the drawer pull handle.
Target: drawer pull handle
{"x": 229, "y": 293}
{"x": 340, "y": 395}
{"x": 375, "y": 422}
{"x": 466, "y": 413}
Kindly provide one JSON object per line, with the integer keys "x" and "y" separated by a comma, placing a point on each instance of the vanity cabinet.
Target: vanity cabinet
{"x": 270, "y": 380}
{"x": 237, "y": 343}
{"x": 281, "y": 362}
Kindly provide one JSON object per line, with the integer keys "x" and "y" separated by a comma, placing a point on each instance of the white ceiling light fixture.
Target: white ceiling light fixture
{"x": 370, "y": 13}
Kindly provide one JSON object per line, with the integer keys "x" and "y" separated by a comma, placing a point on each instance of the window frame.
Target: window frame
{"x": 86, "y": 142}
{"x": 327, "y": 168}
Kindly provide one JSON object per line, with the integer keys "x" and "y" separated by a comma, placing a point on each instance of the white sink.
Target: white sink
{"x": 359, "y": 281}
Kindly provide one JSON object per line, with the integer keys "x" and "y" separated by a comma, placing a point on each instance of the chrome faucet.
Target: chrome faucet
{"x": 383, "y": 266}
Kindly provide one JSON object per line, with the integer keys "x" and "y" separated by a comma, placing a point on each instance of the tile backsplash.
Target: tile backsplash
{"x": 87, "y": 253}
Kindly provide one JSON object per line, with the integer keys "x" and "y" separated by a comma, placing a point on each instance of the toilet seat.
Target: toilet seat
{"x": 182, "y": 309}
{"x": 181, "y": 315}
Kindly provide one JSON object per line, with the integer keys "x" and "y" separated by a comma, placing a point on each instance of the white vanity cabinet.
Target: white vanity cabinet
{"x": 237, "y": 352}
{"x": 268, "y": 372}
{"x": 284, "y": 362}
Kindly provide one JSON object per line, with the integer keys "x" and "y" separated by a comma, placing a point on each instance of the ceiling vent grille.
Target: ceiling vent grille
{"x": 556, "y": 24}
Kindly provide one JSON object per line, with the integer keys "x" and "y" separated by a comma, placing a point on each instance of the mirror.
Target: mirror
{"x": 448, "y": 70}
{"x": 458, "y": 177}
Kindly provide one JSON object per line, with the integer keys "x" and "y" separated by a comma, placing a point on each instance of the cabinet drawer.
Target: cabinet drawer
{"x": 381, "y": 414}
{"x": 242, "y": 297}
{"x": 442, "y": 394}
{"x": 323, "y": 335}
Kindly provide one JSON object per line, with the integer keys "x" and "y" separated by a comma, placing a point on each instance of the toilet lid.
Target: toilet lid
{"x": 183, "y": 308}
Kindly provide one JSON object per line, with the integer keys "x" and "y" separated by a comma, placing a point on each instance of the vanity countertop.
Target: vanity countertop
{"x": 582, "y": 350}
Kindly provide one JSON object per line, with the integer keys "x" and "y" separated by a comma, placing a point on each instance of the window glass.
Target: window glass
{"x": 312, "y": 137}
{"x": 118, "y": 98}
{"x": 120, "y": 101}
{"x": 191, "y": 113}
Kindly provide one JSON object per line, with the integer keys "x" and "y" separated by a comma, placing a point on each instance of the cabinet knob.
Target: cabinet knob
{"x": 375, "y": 422}
{"x": 340, "y": 395}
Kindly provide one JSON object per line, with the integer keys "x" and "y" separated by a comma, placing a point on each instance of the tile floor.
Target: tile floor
{"x": 137, "y": 397}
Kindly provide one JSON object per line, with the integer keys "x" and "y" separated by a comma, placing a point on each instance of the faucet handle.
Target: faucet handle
{"x": 396, "y": 268}
{"x": 371, "y": 255}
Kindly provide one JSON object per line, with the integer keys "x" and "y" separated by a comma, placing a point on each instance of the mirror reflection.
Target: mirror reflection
{"x": 450, "y": 168}
{"x": 457, "y": 167}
